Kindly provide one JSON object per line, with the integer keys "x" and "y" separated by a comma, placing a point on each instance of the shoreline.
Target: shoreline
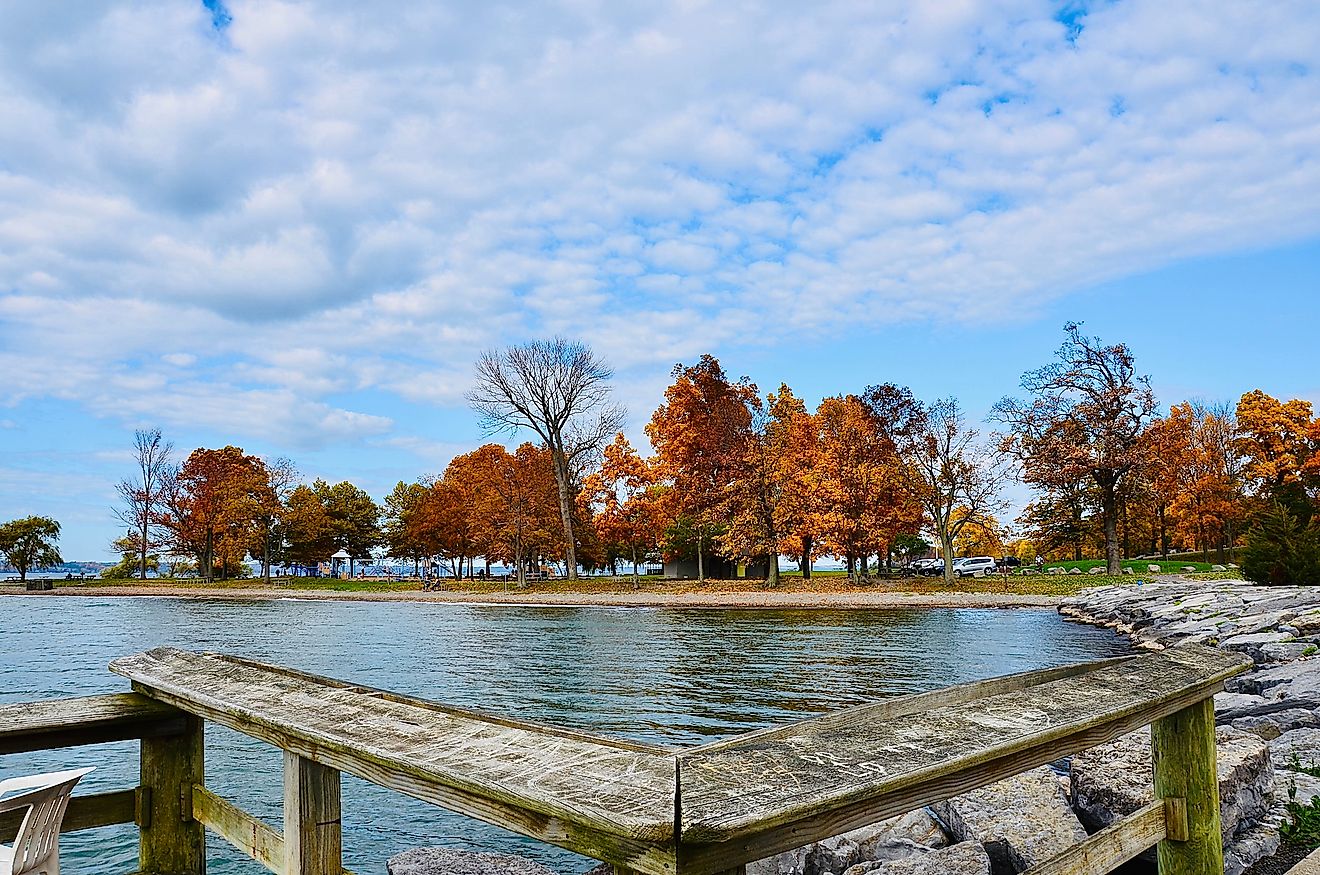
{"x": 758, "y": 599}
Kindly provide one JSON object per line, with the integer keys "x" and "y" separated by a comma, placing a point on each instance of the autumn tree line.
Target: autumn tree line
{"x": 744, "y": 477}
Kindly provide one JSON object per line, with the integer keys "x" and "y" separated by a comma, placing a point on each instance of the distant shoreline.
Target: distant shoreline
{"x": 783, "y": 598}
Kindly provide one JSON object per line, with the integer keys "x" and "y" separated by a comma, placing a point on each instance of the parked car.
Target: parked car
{"x": 926, "y": 567}
{"x": 974, "y": 566}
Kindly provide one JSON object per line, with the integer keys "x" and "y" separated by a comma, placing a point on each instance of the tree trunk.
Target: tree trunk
{"x": 209, "y": 574}
{"x": 701, "y": 568}
{"x": 265, "y": 556}
{"x": 142, "y": 545}
{"x": 805, "y": 562}
{"x": 565, "y": 511}
{"x": 1164, "y": 536}
{"x": 1109, "y": 509}
{"x": 851, "y": 562}
{"x": 946, "y": 547}
{"x": 637, "y": 581}
{"x": 772, "y": 571}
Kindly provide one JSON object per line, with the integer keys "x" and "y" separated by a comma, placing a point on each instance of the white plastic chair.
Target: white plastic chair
{"x": 36, "y": 850}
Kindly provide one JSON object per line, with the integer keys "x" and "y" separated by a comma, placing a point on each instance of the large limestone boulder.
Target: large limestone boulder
{"x": 1296, "y": 748}
{"x": 965, "y": 858}
{"x": 1113, "y": 780}
{"x": 448, "y": 861}
{"x": 1021, "y": 821}
{"x": 893, "y": 839}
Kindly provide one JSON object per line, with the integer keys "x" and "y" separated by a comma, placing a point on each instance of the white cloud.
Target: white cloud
{"x": 327, "y": 202}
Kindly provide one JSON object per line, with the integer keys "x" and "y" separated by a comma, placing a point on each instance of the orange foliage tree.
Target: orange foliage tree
{"x": 625, "y": 499}
{"x": 864, "y": 494}
{"x": 214, "y": 502}
{"x": 700, "y": 435}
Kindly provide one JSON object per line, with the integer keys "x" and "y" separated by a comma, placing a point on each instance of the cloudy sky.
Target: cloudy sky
{"x": 292, "y": 225}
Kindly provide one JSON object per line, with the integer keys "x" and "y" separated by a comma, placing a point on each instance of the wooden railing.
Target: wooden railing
{"x": 644, "y": 809}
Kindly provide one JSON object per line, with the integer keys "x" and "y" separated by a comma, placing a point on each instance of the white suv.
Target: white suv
{"x": 974, "y": 566}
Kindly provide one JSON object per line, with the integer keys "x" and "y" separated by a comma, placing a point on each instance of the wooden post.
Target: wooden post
{"x": 1184, "y": 748}
{"x": 170, "y": 840}
{"x": 312, "y": 836}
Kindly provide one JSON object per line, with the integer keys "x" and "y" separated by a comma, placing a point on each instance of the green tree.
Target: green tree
{"x": 30, "y": 542}
{"x": 132, "y": 562}
{"x": 354, "y": 518}
{"x": 1282, "y": 550}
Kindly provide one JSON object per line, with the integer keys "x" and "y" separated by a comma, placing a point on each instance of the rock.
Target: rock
{"x": 1249, "y": 847}
{"x": 449, "y": 861}
{"x": 1188, "y": 568}
{"x": 1285, "y": 651}
{"x": 1238, "y": 703}
{"x": 1113, "y": 780}
{"x": 1297, "y": 747}
{"x": 1074, "y": 570}
{"x": 1153, "y": 569}
{"x": 1096, "y": 570}
{"x": 1021, "y": 821}
{"x": 1218, "y": 568}
{"x": 965, "y": 858}
{"x": 1271, "y": 725}
{"x": 1277, "y": 681}
{"x": 893, "y": 839}
{"x": 1127, "y": 570}
{"x": 918, "y": 827}
{"x": 792, "y": 862}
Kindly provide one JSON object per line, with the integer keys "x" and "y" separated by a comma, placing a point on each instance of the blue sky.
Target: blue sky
{"x": 293, "y": 225}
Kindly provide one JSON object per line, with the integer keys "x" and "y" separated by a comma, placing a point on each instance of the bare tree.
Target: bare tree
{"x": 559, "y": 390}
{"x": 144, "y": 494}
{"x": 958, "y": 477}
{"x": 952, "y": 472}
{"x": 1085, "y": 420}
{"x": 282, "y": 476}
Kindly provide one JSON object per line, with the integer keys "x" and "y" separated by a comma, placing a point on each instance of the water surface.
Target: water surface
{"x": 671, "y": 676}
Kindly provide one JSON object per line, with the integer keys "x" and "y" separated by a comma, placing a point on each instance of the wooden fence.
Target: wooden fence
{"x": 642, "y": 808}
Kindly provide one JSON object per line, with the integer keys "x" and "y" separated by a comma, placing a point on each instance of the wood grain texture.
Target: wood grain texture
{"x": 437, "y": 754}
{"x": 56, "y": 723}
{"x": 169, "y": 839}
{"x": 84, "y": 812}
{"x": 313, "y": 841}
{"x": 1111, "y": 847}
{"x": 1184, "y": 752}
{"x": 731, "y": 802}
{"x": 254, "y": 837}
{"x": 846, "y": 773}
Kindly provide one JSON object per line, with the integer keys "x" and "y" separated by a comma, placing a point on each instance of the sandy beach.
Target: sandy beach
{"x": 687, "y": 599}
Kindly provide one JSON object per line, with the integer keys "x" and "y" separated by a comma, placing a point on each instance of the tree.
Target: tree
{"x": 1085, "y": 419}
{"x": 307, "y": 527}
{"x": 1281, "y": 444}
{"x": 214, "y": 502}
{"x": 30, "y": 543}
{"x": 404, "y": 535}
{"x": 526, "y": 518}
{"x": 865, "y": 501}
{"x": 700, "y": 434}
{"x": 955, "y": 477}
{"x": 558, "y": 389}
{"x": 1281, "y": 550}
{"x": 979, "y": 536}
{"x": 129, "y": 563}
{"x": 354, "y": 519}
{"x": 144, "y": 494}
{"x": 623, "y": 490}
{"x": 280, "y": 475}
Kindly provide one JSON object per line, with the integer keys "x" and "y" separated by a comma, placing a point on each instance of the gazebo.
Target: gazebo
{"x": 337, "y": 560}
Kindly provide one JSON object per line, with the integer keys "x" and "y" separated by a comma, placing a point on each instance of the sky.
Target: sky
{"x": 292, "y": 226}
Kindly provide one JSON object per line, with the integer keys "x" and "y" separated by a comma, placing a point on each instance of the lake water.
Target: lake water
{"x": 662, "y": 675}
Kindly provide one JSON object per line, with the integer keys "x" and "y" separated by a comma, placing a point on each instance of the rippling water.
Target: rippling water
{"x": 662, "y": 675}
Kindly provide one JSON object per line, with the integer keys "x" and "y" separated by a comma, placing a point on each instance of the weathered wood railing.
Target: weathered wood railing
{"x": 642, "y": 808}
